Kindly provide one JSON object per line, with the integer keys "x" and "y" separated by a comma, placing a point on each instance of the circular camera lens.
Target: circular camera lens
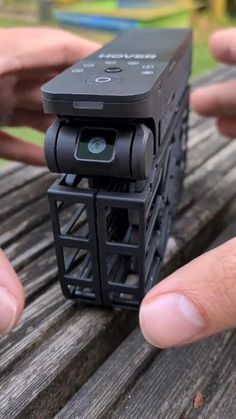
{"x": 97, "y": 145}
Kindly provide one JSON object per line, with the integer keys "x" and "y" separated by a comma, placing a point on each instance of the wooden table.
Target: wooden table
{"x": 81, "y": 362}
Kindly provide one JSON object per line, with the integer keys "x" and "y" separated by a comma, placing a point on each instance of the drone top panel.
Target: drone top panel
{"x": 123, "y": 70}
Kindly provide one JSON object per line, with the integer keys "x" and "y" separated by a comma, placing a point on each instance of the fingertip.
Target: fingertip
{"x": 194, "y": 302}
{"x": 215, "y": 38}
{"x": 221, "y": 45}
{"x": 201, "y": 101}
{"x": 196, "y": 100}
{"x": 170, "y": 319}
{"x": 227, "y": 127}
{"x": 10, "y": 283}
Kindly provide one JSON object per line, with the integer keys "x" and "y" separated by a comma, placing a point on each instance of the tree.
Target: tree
{"x": 232, "y": 7}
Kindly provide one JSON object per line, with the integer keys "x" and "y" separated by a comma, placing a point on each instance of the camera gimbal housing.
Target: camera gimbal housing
{"x": 120, "y": 141}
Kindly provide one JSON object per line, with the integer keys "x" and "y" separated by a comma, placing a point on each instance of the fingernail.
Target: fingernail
{"x": 170, "y": 320}
{"x": 8, "y": 311}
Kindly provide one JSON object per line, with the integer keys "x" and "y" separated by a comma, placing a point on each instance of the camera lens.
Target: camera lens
{"x": 97, "y": 145}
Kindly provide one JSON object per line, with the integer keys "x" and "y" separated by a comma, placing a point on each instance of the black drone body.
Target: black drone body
{"x": 120, "y": 142}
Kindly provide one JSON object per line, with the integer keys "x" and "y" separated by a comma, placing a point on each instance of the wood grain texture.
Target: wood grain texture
{"x": 112, "y": 381}
{"x": 19, "y": 194}
{"x": 161, "y": 384}
{"x": 49, "y": 375}
{"x": 9, "y": 168}
{"x": 208, "y": 175}
{"x": 17, "y": 179}
{"x": 58, "y": 345}
{"x": 40, "y": 319}
{"x": 168, "y": 388}
{"x": 23, "y": 221}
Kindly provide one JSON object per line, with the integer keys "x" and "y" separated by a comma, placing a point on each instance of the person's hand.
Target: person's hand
{"x": 199, "y": 299}
{"x": 196, "y": 301}
{"x": 28, "y": 58}
{"x": 11, "y": 296}
{"x": 219, "y": 100}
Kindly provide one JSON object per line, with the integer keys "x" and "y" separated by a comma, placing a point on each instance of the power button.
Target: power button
{"x": 103, "y": 80}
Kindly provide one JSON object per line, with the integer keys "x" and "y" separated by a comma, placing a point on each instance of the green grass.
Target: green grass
{"x": 26, "y": 134}
{"x": 8, "y": 23}
{"x": 202, "y": 61}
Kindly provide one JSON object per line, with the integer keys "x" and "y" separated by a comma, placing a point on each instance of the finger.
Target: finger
{"x": 217, "y": 100}
{"x": 222, "y": 45}
{"x": 27, "y": 94}
{"x": 12, "y": 148}
{"x": 227, "y": 127}
{"x": 37, "y": 77}
{"x": 46, "y": 49}
{"x": 33, "y": 119}
{"x": 29, "y": 99}
{"x": 11, "y": 296}
{"x": 196, "y": 301}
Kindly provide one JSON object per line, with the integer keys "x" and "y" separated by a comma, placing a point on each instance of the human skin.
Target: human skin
{"x": 199, "y": 299}
{"x": 28, "y": 58}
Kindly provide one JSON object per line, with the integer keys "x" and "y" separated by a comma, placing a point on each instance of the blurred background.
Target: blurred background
{"x": 102, "y": 20}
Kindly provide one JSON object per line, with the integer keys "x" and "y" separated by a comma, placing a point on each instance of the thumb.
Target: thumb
{"x": 222, "y": 45}
{"x": 11, "y": 296}
{"x": 196, "y": 301}
{"x": 13, "y": 148}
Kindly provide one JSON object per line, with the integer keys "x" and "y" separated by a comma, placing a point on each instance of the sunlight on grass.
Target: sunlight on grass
{"x": 26, "y": 134}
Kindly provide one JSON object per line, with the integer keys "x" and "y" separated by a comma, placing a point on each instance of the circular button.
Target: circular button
{"x": 113, "y": 70}
{"x": 103, "y": 79}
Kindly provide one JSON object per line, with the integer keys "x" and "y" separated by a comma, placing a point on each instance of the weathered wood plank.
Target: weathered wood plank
{"x": 43, "y": 381}
{"x": 8, "y": 168}
{"x": 16, "y": 180}
{"x": 208, "y": 175}
{"x": 203, "y": 130}
{"x": 29, "y": 246}
{"x": 98, "y": 397}
{"x": 23, "y": 221}
{"x": 198, "y": 226}
{"x": 168, "y": 388}
{"x": 204, "y": 151}
{"x": 34, "y": 283}
{"x": 222, "y": 73}
{"x": 24, "y": 196}
{"x": 41, "y": 319}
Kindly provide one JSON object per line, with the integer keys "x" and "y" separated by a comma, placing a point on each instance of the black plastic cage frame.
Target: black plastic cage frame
{"x": 110, "y": 236}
